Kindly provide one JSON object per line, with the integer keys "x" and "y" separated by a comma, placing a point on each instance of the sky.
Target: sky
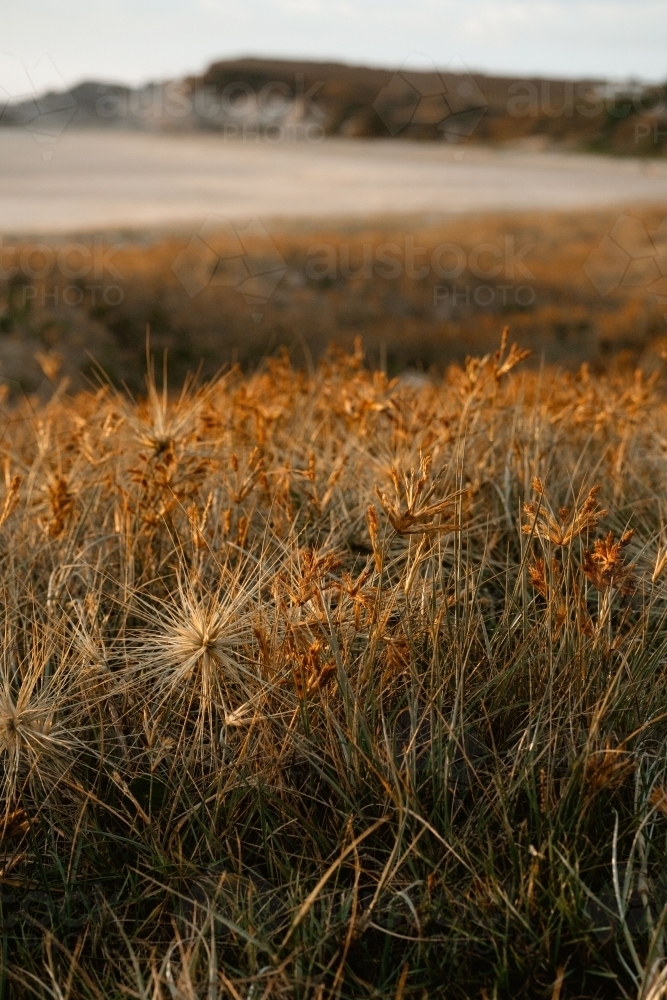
{"x": 62, "y": 42}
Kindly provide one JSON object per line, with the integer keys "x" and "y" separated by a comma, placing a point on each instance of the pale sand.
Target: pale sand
{"x": 99, "y": 180}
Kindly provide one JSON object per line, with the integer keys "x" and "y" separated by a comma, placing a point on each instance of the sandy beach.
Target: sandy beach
{"x": 101, "y": 179}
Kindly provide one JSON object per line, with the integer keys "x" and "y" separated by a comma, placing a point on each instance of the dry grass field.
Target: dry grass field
{"x": 422, "y": 293}
{"x": 321, "y": 683}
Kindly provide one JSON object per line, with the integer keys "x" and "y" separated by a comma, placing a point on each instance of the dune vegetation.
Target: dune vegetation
{"x": 337, "y": 286}
{"x": 324, "y": 684}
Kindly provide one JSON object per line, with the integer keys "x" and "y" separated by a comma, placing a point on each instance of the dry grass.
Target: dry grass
{"x": 332, "y": 685}
{"x": 406, "y": 322}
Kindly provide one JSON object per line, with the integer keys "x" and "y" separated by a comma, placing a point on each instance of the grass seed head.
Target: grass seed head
{"x": 605, "y": 566}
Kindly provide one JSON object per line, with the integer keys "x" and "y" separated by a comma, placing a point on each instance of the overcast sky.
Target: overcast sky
{"x": 139, "y": 40}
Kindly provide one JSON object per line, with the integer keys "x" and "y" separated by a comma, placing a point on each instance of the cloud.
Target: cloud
{"x": 138, "y": 40}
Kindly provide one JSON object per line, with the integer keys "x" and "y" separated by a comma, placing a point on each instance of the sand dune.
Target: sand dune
{"x": 93, "y": 179}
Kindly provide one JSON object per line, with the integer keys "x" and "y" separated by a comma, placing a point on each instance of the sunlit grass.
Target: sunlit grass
{"x": 332, "y": 685}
